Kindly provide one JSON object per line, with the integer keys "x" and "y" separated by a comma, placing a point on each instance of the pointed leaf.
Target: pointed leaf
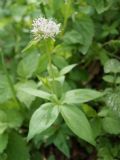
{"x": 81, "y": 96}
{"x": 67, "y": 69}
{"x": 30, "y": 44}
{"x": 77, "y": 122}
{"x": 60, "y": 142}
{"x": 42, "y": 119}
{"x": 37, "y": 93}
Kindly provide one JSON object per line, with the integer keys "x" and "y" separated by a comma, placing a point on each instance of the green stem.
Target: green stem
{"x": 9, "y": 80}
{"x": 49, "y": 52}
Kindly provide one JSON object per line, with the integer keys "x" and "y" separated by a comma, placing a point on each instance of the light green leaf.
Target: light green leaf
{"x": 3, "y": 142}
{"x": 81, "y": 96}
{"x": 37, "y": 93}
{"x": 42, "y": 119}
{"x": 112, "y": 66}
{"x": 17, "y": 148}
{"x": 67, "y": 69}
{"x": 111, "y": 125}
{"x": 77, "y": 122}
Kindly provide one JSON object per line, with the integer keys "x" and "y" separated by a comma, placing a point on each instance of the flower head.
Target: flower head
{"x": 45, "y": 28}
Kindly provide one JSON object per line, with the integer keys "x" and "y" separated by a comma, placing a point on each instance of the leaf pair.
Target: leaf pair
{"x": 76, "y": 120}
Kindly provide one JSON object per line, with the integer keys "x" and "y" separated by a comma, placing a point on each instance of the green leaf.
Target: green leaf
{"x": 61, "y": 143}
{"x": 5, "y": 90}
{"x": 112, "y": 66}
{"x": 42, "y": 119}
{"x": 3, "y": 127}
{"x": 88, "y": 110}
{"x": 28, "y": 65}
{"x": 77, "y": 122}
{"x": 67, "y": 69}
{"x": 82, "y": 33}
{"x": 96, "y": 126}
{"x": 42, "y": 64}
{"x": 3, "y": 142}
{"x": 25, "y": 98}
{"x": 73, "y": 37}
{"x": 3, "y": 120}
{"x": 113, "y": 100}
{"x": 110, "y": 79}
{"x": 53, "y": 72}
{"x": 102, "y": 5}
{"x": 111, "y": 125}
{"x": 52, "y": 157}
{"x": 59, "y": 61}
{"x": 81, "y": 96}
{"x": 85, "y": 28}
{"x": 37, "y": 93}
{"x": 17, "y": 148}
{"x": 14, "y": 118}
{"x": 30, "y": 44}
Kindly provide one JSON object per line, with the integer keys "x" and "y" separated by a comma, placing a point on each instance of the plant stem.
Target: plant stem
{"x": 9, "y": 80}
{"x": 49, "y": 52}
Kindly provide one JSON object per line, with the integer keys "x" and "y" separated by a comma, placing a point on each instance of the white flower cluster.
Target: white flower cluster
{"x": 45, "y": 28}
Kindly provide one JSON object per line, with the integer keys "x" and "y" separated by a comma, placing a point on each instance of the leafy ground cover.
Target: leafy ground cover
{"x": 59, "y": 88}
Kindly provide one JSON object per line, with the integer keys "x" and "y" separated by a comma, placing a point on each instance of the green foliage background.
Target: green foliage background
{"x": 90, "y": 38}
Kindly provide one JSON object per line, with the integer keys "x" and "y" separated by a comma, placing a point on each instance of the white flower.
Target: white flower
{"x": 45, "y": 28}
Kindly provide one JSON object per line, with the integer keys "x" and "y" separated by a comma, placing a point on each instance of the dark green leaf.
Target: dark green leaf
{"x": 5, "y": 90}
{"x": 3, "y": 142}
{"x": 17, "y": 148}
{"x": 60, "y": 142}
{"x": 102, "y": 5}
